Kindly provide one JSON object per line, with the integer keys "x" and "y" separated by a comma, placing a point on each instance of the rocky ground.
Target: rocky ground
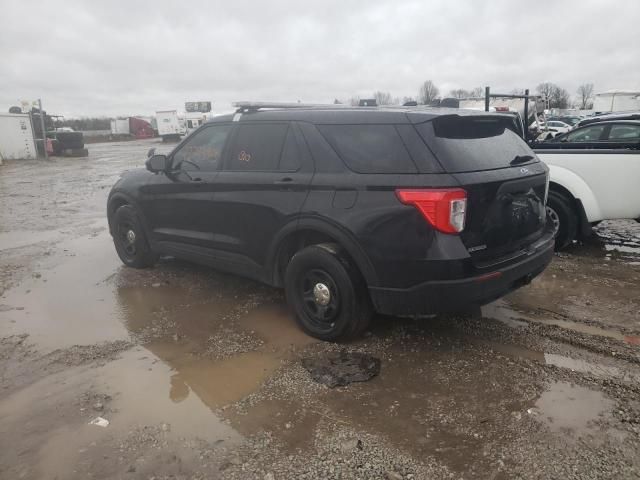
{"x": 200, "y": 374}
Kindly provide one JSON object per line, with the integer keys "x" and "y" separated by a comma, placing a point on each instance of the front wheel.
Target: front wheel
{"x": 327, "y": 294}
{"x": 130, "y": 240}
{"x": 564, "y": 218}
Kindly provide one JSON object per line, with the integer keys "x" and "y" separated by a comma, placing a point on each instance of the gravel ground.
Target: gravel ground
{"x": 199, "y": 373}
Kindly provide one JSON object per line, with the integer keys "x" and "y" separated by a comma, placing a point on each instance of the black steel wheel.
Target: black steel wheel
{"x": 321, "y": 299}
{"x": 327, "y": 293}
{"x": 130, "y": 240}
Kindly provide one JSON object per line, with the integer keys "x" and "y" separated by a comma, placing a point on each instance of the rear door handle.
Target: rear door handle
{"x": 283, "y": 181}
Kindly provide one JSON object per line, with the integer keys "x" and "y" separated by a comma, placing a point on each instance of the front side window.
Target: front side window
{"x": 625, "y": 133}
{"x": 203, "y": 150}
{"x": 257, "y": 147}
{"x": 586, "y": 134}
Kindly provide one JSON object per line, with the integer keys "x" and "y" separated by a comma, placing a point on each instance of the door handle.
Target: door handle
{"x": 284, "y": 181}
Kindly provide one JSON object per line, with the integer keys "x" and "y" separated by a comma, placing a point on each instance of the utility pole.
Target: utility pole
{"x": 44, "y": 132}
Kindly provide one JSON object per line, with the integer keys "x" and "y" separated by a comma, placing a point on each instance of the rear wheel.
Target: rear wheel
{"x": 130, "y": 240}
{"x": 564, "y": 218}
{"x": 327, "y": 293}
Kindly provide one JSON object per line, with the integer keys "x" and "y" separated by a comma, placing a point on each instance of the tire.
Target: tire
{"x": 70, "y": 139}
{"x": 562, "y": 213}
{"x": 57, "y": 147}
{"x": 133, "y": 250}
{"x": 316, "y": 270}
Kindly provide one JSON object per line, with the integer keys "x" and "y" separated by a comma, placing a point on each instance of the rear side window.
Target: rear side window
{"x": 586, "y": 134}
{"x": 257, "y": 147}
{"x": 467, "y": 144}
{"x": 369, "y": 148}
{"x": 625, "y": 133}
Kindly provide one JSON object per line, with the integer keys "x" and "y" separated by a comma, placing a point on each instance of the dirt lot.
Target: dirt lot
{"x": 200, "y": 376}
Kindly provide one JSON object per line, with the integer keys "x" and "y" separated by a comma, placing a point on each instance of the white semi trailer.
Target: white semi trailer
{"x": 16, "y": 137}
{"x": 170, "y": 125}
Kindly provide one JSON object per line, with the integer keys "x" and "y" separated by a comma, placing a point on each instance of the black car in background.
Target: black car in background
{"x": 612, "y": 134}
{"x": 351, "y": 210}
{"x": 609, "y": 116}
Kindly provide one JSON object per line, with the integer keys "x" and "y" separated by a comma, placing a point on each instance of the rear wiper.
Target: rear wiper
{"x": 521, "y": 159}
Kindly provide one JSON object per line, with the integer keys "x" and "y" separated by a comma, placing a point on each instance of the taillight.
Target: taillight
{"x": 444, "y": 208}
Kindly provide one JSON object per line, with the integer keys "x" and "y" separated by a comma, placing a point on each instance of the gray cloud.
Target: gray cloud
{"x": 116, "y": 57}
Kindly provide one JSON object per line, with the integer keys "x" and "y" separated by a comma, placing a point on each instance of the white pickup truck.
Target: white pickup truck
{"x": 594, "y": 176}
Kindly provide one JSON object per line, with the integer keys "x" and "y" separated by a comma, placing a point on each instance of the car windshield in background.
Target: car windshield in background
{"x": 464, "y": 144}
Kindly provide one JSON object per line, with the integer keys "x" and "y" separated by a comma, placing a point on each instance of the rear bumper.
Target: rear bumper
{"x": 455, "y": 295}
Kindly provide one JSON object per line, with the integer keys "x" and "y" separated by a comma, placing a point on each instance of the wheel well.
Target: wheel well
{"x": 114, "y": 205}
{"x": 556, "y": 187}
{"x": 584, "y": 227}
{"x": 295, "y": 242}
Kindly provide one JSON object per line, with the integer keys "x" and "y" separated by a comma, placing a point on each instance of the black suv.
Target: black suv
{"x": 351, "y": 210}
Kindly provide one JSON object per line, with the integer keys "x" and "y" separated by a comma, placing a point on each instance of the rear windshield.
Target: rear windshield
{"x": 370, "y": 148}
{"x": 466, "y": 144}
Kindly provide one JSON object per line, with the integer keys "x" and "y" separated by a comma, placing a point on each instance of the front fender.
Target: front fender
{"x": 117, "y": 198}
{"x": 579, "y": 189}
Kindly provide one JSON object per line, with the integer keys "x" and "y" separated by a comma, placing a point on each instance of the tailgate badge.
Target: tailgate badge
{"x": 477, "y": 248}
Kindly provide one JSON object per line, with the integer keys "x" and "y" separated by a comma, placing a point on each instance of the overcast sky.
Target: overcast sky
{"x": 108, "y": 57}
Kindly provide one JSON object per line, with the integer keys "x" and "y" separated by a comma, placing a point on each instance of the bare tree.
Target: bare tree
{"x": 337, "y": 102}
{"x": 354, "y": 101}
{"x": 560, "y": 98}
{"x": 477, "y": 92}
{"x": 383, "y": 98}
{"x": 585, "y": 94}
{"x": 546, "y": 89}
{"x": 428, "y": 93}
{"x": 557, "y": 97}
{"x": 460, "y": 93}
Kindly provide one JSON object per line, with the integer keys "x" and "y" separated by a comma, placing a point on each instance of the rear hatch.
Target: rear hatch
{"x": 505, "y": 182}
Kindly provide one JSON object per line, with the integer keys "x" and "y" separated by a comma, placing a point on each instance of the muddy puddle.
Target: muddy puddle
{"x": 564, "y": 406}
{"x": 505, "y": 313}
{"x": 68, "y": 300}
{"x": 135, "y": 395}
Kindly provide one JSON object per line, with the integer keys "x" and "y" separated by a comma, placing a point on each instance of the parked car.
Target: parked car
{"x": 610, "y": 116}
{"x": 569, "y": 120}
{"x": 558, "y": 127}
{"x": 604, "y": 134}
{"x": 401, "y": 211}
{"x": 594, "y": 174}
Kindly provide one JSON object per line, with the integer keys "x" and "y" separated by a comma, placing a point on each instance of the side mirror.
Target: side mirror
{"x": 157, "y": 163}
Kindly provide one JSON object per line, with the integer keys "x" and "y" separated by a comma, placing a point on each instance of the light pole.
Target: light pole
{"x": 44, "y": 132}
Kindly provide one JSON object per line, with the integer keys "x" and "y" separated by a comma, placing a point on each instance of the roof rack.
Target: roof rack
{"x": 243, "y": 107}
